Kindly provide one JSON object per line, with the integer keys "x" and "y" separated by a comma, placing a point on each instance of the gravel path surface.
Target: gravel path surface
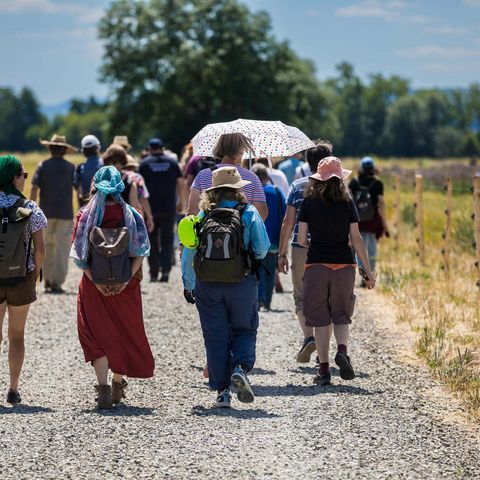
{"x": 384, "y": 424}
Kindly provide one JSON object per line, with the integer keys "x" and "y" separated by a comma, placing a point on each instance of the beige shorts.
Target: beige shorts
{"x": 22, "y": 294}
{"x": 299, "y": 257}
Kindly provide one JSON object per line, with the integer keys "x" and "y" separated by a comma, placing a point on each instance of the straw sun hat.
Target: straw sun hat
{"x": 122, "y": 140}
{"x": 61, "y": 141}
{"x": 330, "y": 167}
{"x": 227, "y": 177}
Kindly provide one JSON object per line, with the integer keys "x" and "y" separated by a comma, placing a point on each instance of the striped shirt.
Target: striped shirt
{"x": 295, "y": 200}
{"x": 254, "y": 191}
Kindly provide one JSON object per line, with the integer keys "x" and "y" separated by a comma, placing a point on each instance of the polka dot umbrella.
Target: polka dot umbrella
{"x": 269, "y": 138}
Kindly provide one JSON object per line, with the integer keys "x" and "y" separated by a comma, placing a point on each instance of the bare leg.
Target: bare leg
{"x": 17, "y": 317}
{"x": 341, "y": 334}
{"x": 3, "y": 309}
{"x": 322, "y": 341}
{"x": 101, "y": 370}
{"x": 117, "y": 377}
{"x": 307, "y": 331}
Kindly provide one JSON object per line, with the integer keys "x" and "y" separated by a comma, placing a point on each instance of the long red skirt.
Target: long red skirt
{"x": 113, "y": 327}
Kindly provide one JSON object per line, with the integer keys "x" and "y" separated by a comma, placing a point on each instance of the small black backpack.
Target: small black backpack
{"x": 13, "y": 234}
{"x": 221, "y": 255}
{"x": 363, "y": 202}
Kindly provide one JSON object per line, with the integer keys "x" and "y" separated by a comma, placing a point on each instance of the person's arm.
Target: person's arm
{"x": 259, "y": 240}
{"x": 193, "y": 201}
{"x": 302, "y": 237}
{"x": 262, "y": 209}
{"x": 188, "y": 181}
{"x": 382, "y": 212}
{"x": 34, "y": 193}
{"x": 359, "y": 247}
{"x": 147, "y": 210}
{"x": 38, "y": 251}
{"x": 136, "y": 264}
{"x": 133, "y": 197}
{"x": 285, "y": 234}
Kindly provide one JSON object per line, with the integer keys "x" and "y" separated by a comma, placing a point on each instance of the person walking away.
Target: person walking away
{"x": 277, "y": 177}
{"x": 273, "y": 223}
{"x": 90, "y": 147}
{"x": 22, "y": 251}
{"x": 330, "y": 216}
{"x": 321, "y": 150}
{"x": 229, "y": 151}
{"x": 219, "y": 278}
{"x": 302, "y": 170}
{"x": 367, "y": 191}
{"x": 109, "y": 303}
{"x": 197, "y": 164}
{"x": 54, "y": 178}
{"x": 289, "y": 166}
{"x": 122, "y": 140}
{"x": 163, "y": 178}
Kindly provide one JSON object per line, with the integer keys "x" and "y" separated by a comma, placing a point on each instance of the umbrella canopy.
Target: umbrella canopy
{"x": 269, "y": 138}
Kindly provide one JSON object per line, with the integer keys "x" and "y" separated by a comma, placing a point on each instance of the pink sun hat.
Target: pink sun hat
{"x": 330, "y": 167}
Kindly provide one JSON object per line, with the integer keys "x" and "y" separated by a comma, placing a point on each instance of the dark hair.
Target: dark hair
{"x": 57, "y": 150}
{"x": 332, "y": 190}
{"x": 263, "y": 161}
{"x": 115, "y": 154}
{"x": 90, "y": 151}
{"x": 261, "y": 172}
{"x": 322, "y": 149}
{"x": 367, "y": 171}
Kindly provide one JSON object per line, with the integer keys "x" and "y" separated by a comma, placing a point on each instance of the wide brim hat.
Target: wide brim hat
{"x": 60, "y": 141}
{"x": 227, "y": 177}
{"x": 132, "y": 161}
{"x": 330, "y": 167}
{"x": 122, "y": 140}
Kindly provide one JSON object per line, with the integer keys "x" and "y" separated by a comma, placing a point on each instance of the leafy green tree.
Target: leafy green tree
{"x": 176, "y": 65}
{"x": 471, "y": 145}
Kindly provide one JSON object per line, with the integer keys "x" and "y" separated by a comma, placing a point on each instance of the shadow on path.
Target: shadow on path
{"x": 246, "y": 414}
{"x": 22, "y": 409}
{"x": 309, "y": 390}
{"x": 122, "y": 411}
{"x": 334, "y": 371}
{"x": 261, "y": 371}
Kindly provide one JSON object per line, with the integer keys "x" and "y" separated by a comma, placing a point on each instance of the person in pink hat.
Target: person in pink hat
{"x": 329, "y": 215}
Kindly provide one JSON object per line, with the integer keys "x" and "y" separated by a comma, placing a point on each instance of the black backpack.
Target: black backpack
{"x": 208, "y": 162}
{"x": 13, "y": 234}
{"x": 363, "y": 202}
{"x": 221, "y": 255}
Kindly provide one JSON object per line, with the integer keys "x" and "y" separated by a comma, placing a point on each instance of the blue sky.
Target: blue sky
{"x": 51, "y": 45}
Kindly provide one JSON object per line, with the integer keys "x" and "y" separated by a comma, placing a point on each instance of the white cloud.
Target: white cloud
{"x": 82, "y": 13}
{"x": 448, "y": 67}
{"x": 372, "y": 8}
{"x": 472, "y": 3}
{"x": 447, "y": 30}
{"x": 436, "y": 51}
{"x": 417, "y": 19}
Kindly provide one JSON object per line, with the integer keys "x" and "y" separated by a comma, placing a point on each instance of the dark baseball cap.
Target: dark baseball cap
{"x": 155, "y": 142}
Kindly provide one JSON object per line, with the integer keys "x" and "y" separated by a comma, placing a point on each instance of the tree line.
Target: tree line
{"x": 175, "y": 65}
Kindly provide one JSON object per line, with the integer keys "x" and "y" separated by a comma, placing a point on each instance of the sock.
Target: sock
{"x": 325, "y": 367}
{"x": 342, "y": 348}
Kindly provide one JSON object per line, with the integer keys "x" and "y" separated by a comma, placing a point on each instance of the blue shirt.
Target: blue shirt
{"x": 288, "y": 167}
{"x": 85, "y": 173}
{"x": 254, "y": 235}
{"x": 276, "y": 212}
{"x": 295, "y": 200}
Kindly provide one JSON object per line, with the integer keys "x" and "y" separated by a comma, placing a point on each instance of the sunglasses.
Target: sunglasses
{"x": 24, "y": 174}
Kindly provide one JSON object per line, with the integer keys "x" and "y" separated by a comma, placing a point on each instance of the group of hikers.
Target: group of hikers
{"x": 237, "y": 225}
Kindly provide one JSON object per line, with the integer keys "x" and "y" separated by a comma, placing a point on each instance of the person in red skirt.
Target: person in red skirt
{"x": 110, "y": 317}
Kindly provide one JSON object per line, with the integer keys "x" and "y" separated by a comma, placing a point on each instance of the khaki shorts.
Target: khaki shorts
{"x": 22, "y": 294}
{"x": 328, "y": 295}
{"x": 299, "y": 257}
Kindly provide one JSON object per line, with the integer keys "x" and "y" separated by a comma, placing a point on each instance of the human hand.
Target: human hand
{"x": 150, "y": 224}
{"x": 103, "y": 289}
{"x": 283, "y": 264}
{"x": 370, "y": 280}
{"x": 117, "y": 288}
{"x": 189, "y": 296}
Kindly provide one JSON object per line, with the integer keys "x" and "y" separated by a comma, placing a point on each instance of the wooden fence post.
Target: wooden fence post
{"x": 397, "y": 187}
{"x": 447, "y": 234}
{"x": 476, "y": 220}
{"x": 419, "y": 217}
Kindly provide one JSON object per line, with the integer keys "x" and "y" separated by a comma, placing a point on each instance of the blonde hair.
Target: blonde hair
{"x": 209, "y": 200}
{"x": 233, "y": 145}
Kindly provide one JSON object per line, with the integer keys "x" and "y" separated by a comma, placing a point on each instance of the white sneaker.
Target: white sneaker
{"x": 224, "y": 399}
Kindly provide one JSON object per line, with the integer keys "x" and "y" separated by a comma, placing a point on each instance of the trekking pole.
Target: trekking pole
{"x": 447, "y": 234}
{"x": 476, "y": 222}
{"x": 419, "y": 217}
{"x": 396, "y": 186}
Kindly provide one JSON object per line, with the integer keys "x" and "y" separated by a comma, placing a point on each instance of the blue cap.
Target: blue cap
{"x": 367, "y": 162}
{"x": 155, "y": 142}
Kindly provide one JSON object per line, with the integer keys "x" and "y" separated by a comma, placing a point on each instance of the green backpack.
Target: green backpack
{"x": 13, "y": 234}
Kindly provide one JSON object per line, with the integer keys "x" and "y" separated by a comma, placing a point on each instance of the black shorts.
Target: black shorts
{"x": 22, "y": 294}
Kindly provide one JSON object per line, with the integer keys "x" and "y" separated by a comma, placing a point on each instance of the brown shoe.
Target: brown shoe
{"x": 104, "y": 398}
{"x": 118, "y": 390}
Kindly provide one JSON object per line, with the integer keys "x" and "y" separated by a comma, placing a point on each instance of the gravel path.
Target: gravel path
{"x": 385, "y": 424}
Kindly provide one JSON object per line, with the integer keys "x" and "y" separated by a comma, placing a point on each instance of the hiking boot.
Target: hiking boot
{"x": 346, "y": 369}
{"x": 13, "y": 397}
{"x": 56, "y": 289}
{"x": 224, "y": 399}
{"x": 164, "y": 278}
{"x": 322, "y": 379}
{"x": 308, "y": 347}
{"x": 118, "y": 390}
{"x": 48, "y": 286}
{"x": 240, "y": 381}
{"x": 104, "y": 398}
{"x": 153, "y": 278}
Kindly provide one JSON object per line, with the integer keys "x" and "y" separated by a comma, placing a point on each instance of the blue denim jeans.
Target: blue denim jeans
{"x": 267, "y": 279}
{"x": 370, "y": 241}
{"x": 229, "y": 318}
